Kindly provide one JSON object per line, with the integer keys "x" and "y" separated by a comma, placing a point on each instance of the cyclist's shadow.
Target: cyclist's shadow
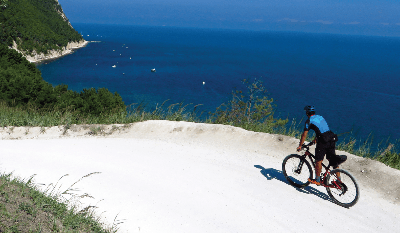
{"x": 271, "y": 173}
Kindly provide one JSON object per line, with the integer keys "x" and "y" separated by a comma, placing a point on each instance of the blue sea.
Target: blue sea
{"x": 353, "y": 81}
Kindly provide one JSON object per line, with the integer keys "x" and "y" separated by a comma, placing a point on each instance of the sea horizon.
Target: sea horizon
{"x": 273, "y": 30}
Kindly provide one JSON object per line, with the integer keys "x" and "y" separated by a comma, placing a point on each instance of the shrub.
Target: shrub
{"x": 250, "y": 109}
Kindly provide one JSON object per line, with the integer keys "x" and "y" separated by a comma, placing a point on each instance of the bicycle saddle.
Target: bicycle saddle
{"x": 339, "y": 159}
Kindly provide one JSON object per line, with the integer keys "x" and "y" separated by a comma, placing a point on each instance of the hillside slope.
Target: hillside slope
{"x": 37, "y": 28}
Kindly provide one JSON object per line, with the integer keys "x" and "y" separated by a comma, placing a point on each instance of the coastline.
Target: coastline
{"x": 53, "y": 54}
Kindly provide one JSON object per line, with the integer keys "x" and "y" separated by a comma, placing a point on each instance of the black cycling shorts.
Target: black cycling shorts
{"x": 323, "y": 149}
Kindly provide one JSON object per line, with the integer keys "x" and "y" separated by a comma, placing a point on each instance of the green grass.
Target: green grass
{"x": 24, "y": 208}
{"x": 15, "y": 116}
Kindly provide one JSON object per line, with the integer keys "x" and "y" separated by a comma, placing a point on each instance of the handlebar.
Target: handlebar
{"x": 307, "y": 146}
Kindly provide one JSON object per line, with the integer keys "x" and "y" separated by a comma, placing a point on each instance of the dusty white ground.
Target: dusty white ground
{"x": 160, "y": 176}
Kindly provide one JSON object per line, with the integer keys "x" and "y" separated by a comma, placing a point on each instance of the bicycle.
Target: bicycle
{"x": 343, "y": 191}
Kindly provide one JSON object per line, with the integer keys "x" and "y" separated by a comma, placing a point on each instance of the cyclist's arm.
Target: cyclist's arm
{"x": 303, "y": 138}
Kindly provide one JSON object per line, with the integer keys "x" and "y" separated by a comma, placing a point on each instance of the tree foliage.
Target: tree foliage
{"x": 35, "y": 25}
{"x": 21, "y": 84}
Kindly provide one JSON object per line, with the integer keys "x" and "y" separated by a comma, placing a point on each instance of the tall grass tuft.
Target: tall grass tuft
{"x": 390, "y": 157}
{"x": 24, "y": 208}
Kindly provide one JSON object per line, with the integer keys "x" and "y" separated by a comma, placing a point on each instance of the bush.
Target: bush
{"x": 250, "y": 110}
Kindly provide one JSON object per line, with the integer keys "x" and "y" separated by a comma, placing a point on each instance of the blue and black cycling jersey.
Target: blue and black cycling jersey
{"x": 318, "y": 124}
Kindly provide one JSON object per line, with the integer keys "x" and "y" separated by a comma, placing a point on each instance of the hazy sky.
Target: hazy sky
{"x": 367, "y": 17}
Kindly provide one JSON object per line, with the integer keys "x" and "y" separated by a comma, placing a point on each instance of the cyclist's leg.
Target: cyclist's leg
{"x": 331, "y": 155}
{"x": 320, "y": 151}
{"x": 318, "y": 169}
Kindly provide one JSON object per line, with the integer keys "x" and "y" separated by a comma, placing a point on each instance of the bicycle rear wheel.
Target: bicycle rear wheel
{"x": 297, "y": 170}
{"x": 345, "y": 193}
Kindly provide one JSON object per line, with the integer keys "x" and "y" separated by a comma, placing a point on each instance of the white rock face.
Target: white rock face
{"x": 52, "y": 54}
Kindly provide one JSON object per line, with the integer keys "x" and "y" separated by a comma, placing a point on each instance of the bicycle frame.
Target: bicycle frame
{"x": 327, "y": 169}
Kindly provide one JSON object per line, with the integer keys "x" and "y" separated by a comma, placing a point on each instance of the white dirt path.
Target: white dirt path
{"x": 160, "y": 176}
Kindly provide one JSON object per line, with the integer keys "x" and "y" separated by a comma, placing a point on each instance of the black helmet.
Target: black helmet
{"x": 309, "y": 109}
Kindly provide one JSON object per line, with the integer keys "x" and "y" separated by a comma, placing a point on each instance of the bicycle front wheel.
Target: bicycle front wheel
{"x": 297, "y": 170}
{"x": 344, "y": 192}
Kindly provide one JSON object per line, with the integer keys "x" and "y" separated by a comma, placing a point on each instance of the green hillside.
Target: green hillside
{"x": 21, "y": 85}
{"x": 40, "y": 25}
{"x": 35, "y": 25}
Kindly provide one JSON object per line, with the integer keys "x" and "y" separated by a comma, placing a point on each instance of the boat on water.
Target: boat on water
{"x": 114, "y": 66}
{"x": 153, "y": 70}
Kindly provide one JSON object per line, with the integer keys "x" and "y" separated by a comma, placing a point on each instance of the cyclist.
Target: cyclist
{"x": 325, "y": 139}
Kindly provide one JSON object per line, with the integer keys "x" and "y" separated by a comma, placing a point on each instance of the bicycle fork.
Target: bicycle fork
{"x": 300, "y": 166}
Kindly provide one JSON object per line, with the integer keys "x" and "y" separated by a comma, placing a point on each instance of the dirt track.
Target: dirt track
{"x": 165, "y": 176}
